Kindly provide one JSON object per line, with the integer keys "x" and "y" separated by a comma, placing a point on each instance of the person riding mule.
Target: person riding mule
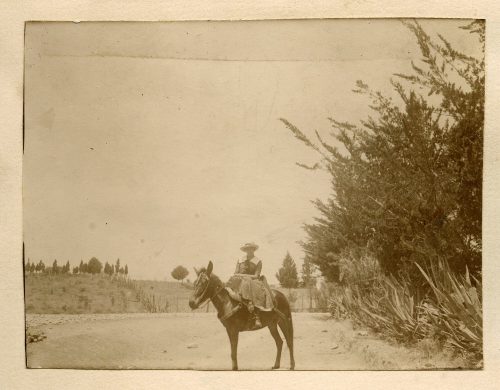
{"x": 251, "y": 285}
{"x": 208, "y": 287}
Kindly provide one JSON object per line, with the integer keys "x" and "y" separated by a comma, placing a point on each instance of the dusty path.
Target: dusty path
{"x": 188, "y": 341}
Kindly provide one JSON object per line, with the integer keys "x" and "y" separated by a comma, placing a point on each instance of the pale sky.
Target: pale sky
{"x": 160, "y": 144}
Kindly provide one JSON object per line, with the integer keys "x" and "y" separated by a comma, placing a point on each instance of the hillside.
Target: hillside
{"x": 85, "y": 293}
{"x": 77, "y": 294}
{"x": 175, "y": 293}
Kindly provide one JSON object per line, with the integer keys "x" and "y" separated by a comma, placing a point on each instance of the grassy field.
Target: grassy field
{"x": 79, "y": 294}
{"x": 174, "y": 293}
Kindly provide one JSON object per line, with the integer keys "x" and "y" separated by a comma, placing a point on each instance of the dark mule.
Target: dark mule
{"x": 209, "y": 286}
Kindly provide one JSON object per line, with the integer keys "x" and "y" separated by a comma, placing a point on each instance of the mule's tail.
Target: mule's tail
{"x": 285, "y": 322}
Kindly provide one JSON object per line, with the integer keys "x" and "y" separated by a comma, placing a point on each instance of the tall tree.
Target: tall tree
{"x": 408, "y": 180}
{"x": 95, "y": 266}
{"x": 307, "y": 277}
{"x": 126, "y": 269}
{"x": 287, "y": 274}
{"x": 55, "y": 267}
{"x": 179, "y": 273}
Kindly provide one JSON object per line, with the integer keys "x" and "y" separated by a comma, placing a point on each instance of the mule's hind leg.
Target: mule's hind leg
{"x": 286, "y": 327}
{"x": 233, "y": 339}
{"x": 279, "y": 344}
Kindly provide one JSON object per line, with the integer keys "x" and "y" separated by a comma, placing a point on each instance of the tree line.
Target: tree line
{"x": 93, "y": 266}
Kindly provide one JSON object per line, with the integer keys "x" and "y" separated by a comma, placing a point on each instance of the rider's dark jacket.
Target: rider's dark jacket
{"x": 254, "y": 289}
{"x": 249, "y": 267}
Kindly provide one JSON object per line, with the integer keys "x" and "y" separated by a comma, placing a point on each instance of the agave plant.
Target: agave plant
{"x": 456, "y": 310}
{"x": 451, "y": 311}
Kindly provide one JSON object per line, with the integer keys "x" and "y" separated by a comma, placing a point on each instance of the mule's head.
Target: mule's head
{"x": 201, "y": 286}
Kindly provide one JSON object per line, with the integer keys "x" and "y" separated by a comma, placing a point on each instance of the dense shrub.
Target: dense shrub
{"x": 407, "y": 181}
{"x": 451, "y": 313}
{"x": 455, "y": 310}
{"x": 402, "y": 232}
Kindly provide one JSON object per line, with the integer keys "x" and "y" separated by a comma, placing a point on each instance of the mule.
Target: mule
{"x": 236, "y": 318}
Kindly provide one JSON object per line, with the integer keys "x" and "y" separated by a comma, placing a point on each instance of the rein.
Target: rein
{"x": 217, "y": 291}
{"x": 222, "y": 317}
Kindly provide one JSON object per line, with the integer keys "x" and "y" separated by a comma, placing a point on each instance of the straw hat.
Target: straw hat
{"x": 249, "y": 245}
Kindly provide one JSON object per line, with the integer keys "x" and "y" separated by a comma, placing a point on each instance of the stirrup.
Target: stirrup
{"x": 256, "y": 322}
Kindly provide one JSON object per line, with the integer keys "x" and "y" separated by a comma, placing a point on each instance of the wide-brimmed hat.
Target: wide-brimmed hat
{"x": 249, "y": 245}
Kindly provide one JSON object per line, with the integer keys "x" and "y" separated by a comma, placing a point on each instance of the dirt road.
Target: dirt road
{"x": 198, "y": 341}
{"x": 189, "y": 341}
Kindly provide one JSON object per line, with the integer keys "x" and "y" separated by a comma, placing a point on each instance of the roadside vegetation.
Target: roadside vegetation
{"x": 400, "y": 241}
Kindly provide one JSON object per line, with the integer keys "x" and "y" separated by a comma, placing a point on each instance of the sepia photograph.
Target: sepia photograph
{"x": 301, "y": 194}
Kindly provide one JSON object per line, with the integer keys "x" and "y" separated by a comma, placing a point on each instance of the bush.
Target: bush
{"x": 451, "y": 311}
{"x": 388, "y": 307}
{"x": 358, "y": 267}
{"x": 322, "y": 296}
{"x": 337, "y": 304}
{"x": 455, "y": 310}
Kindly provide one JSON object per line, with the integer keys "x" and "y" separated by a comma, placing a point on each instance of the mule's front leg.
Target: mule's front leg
{"x": 233, "y": 339}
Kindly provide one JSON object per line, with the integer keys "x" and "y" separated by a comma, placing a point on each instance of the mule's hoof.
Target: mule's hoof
{"x": 275, "y": 367}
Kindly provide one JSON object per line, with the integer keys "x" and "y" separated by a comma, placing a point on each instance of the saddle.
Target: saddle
{"x": 243, "y": 289}
{"x": 241, "y": 303}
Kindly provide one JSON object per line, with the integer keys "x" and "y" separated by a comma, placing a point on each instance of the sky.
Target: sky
{"x": 160, "y": 143}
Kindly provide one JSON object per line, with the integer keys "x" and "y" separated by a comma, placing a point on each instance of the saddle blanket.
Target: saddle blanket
{"x": 255, "y": 290}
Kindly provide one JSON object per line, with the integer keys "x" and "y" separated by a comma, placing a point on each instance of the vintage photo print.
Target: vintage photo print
{"x": 254, "y": 195}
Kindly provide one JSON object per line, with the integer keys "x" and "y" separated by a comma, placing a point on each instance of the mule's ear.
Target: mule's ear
{"x": 209, "y": 268}
{"x": 195, "y": 270}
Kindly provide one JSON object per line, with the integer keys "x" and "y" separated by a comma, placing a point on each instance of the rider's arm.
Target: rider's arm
{"x": 258, "y": 269}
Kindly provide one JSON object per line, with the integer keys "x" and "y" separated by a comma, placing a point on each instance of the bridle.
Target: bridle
{"x": 217, "y": 291}
{"x": 222, "y": 314}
